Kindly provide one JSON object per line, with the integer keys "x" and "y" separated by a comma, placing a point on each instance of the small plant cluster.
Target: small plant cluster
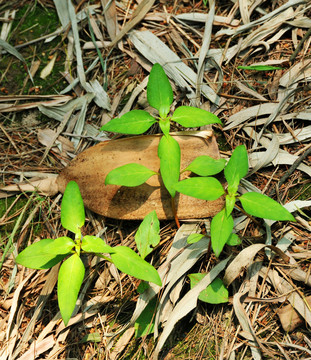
{"x": 160, "y": 97}
{"x": 48, "y": 252}
{"x": 204, "y": 186}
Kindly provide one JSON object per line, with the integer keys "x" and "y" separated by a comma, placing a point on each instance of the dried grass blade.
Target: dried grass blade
{"x": 263, "y": 19}
{"x": 14, "y": 305}
{"x": 58, "y": 112}
{"x": 62, "y": 12}
{"x": 186, "y": 304}
{"x": 101, "y": 97}
{"x": 283, "y": 158}
{"x": 94, "y": 28}
{"x": 47, "y": 187}
{"x": 48, "y": 103}
{"x": 268, "y": 156}
{"x": 74, "y": 27}
{"x": 265, "y": 30}
{"x": 122, "y": 343}
{"x": 57, "y": 133}
{"x": 249, "y": 91}
{"x": 38, "y": 348}
{"x": 295, "y": 73}
{"x": 296, "y": 273}
{"x": 249, "y": 113}
{"x": 28, "y": 332}
{"x": 60, "y": 98}
{"x": 243, "y": 6}
{"x": 201, "y": 18}
{"x": 244, "y": 260}
{"x": 245, "y": 323}
{"x": 110, "y": 13}
{"x": 204, "y": 48}
{"x": 8, "y": 18}
{"x": 139, "y": 13}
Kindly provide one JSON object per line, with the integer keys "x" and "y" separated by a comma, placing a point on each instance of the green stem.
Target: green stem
{"x": 104, "y": 257}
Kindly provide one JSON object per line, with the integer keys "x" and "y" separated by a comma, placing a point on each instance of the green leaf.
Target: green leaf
{"x": 70, "y": 278}
{"x": 236, "y": 168}
{"x": 94, "y": 244}
{"x": 189, "y": 116}
{"x": 133, "y": 122}
{"x": 36, "y": 256}
{"x": 147, "y": 234}
{"x": 215, "y": 293}
{"x": 72, "y": 208}
{"x": 262, "y": 206}
{"x": 206, "y": 166}
{"x": 159, "y": 91}
{"x": 233, "y": 240}
{"x": 127, "y": 261}
{"x": 194, "y": 238}
{"x": 129, "y": 175}
{"x": 92, "y": 337}
{"x": 144, "y": 325}
{"x": 205, "y": 188}
{"x": 230, "y": 202}
{"x": 260, "y": 67}
{"x": 169, "y": 154}
{"x": 142, "y": 287}
{"x": 62, "y": 245}
{"x": 221, "y": 229}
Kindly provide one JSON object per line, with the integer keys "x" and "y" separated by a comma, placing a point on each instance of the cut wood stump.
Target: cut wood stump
{"x": 89, "y": 170}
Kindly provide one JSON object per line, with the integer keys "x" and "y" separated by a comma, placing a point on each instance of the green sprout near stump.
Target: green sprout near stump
{"x": 136, "y": 122}
{"x": 204, "y": 186}
{"x": 48, "y": 252}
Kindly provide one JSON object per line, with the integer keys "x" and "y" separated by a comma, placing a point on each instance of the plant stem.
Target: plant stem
{"x": 174, "y": 212}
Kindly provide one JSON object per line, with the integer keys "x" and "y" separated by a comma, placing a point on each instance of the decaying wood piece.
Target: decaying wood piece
{"x": 89, "y": 170}
{"x": 289, "y": 317}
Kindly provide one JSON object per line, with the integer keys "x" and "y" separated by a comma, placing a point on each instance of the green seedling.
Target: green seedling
{"x": 160, "y": 97}
{"x": 215, "y": 293}
{"x": 203, "y": 186}
{"x": 253, "y": 203}
{"x": 48, "y": 252}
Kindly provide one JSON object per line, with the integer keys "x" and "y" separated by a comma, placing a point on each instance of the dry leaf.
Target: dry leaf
{"x": 289, "y": 317}
{"x": 46, "y": 71}
{"x": 89, "y": 170}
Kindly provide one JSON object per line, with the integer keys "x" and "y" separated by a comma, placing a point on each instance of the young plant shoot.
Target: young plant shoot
{"x": 71, "y": 249}
{"x": 160, "y": 97}
{"x": 253, "y": 203}
{"x": 48, "y": 252}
